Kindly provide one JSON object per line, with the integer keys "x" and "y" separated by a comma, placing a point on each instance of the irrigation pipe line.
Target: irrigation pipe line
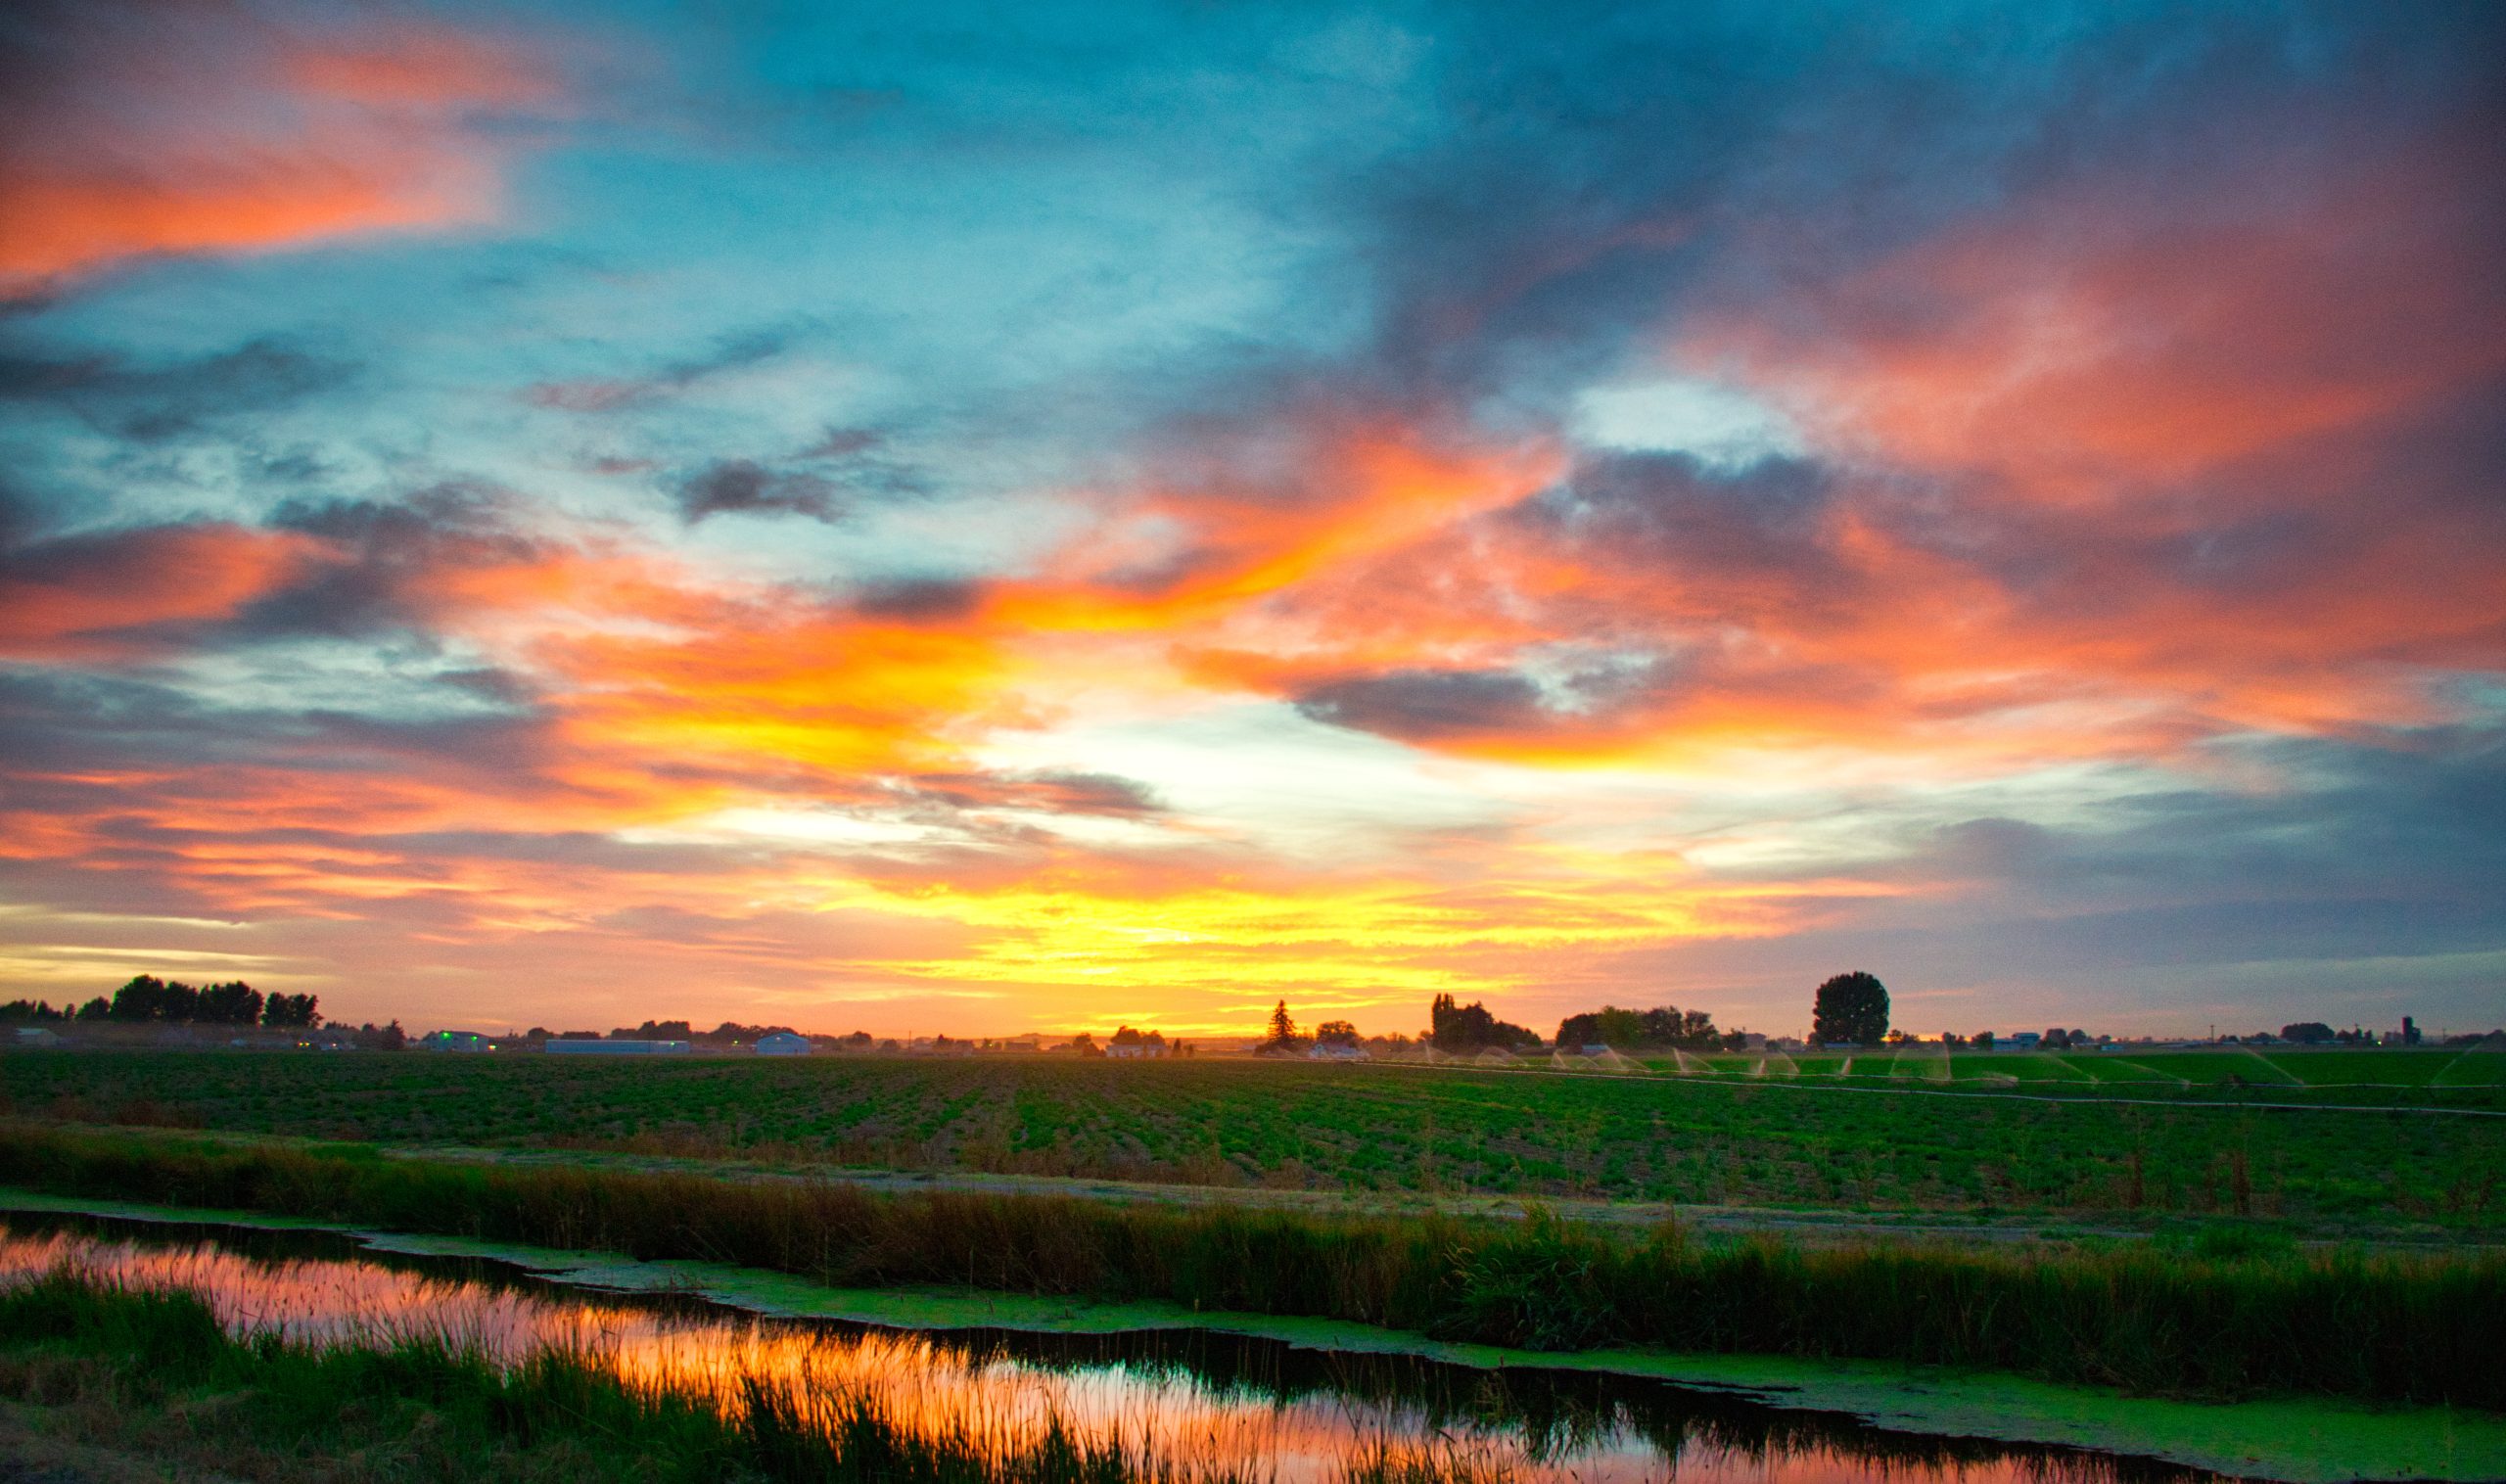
{"x": 1805, "y": 1084}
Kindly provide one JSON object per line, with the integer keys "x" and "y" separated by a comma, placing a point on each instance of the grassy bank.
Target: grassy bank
{"x": 1887, "y": 1145}
{"x": 2220, "y": 1323}
{"x": 90, "y": 1365}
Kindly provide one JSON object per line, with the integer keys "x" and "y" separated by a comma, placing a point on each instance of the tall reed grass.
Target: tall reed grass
{"x": 418, "y": 1408}
{"x": 2390, "y": 1326}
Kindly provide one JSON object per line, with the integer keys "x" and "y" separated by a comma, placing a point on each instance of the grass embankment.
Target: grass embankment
{"x": 2393, "y": 1328}
{"x": 154, "y": 1372}
{"x": 1432, "y": 1132}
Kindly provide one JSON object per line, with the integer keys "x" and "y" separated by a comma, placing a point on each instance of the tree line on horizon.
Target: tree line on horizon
{"x": 147, "y": 1000}
{"x": 1848, "y": 1009}
{"x": 1460, "y": 1030}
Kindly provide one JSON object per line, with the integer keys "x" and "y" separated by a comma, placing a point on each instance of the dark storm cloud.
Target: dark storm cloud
{"x": 58, "y": 720}
{"x": 2420, "y": 817}
{"x": 2338, "y": 896}
{"x": 506, "y": 746}
{"x": 379, "y": 555}
{"x": 843, "y": 443}
{"x": 1688, "y": 519}
{"x": 923, "y": 600}
{"x": 1592, "y": 170}
{"x": 743, "y": 486}
{"x": 131, "y": 591}
{"x": 151, "y": 403}
{"x": 1426, "y": 704}
{"x": 1595, "y": 174}
{"x": 18, "y": 515}
{"x": 98, "y": 726}
{"x": 503, "y": 686}
{"x": 323, "y": 569}
{"x": 2368, "y": 851}
{"x": 103, "y": 561}
{"x": 845, "y": 466}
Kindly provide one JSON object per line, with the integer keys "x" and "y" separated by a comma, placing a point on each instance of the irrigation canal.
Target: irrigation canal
{"x": 1196, "y": 1402}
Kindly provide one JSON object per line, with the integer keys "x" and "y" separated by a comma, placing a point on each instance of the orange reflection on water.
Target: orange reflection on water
{"x": 1166, "y": 1420}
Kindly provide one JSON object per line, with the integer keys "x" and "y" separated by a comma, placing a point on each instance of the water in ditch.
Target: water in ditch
{"x": 1186, "y": 1404}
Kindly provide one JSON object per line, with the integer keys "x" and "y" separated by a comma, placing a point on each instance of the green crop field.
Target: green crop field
{"x": 2448, "y": 1077}
{"x": 1872, "y": 1140}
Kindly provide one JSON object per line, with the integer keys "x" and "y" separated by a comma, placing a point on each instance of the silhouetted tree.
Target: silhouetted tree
{"x": 1283, "y": 1040}
{"x": 1336, "y": 1033}
{"x": 2306, "y": 1033}
{"x": 140, "y": 1000}
{"x": 1665, "y": 1026}
{"x": 150, "y": 1000}
{"x": 1469, "y": 1027}
{"x": 286, "y": 1012}
{"x": 1850, "y": 1008}
{"x": 231, "y": 1004}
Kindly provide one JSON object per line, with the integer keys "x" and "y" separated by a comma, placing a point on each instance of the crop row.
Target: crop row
{"x": 1409, "y": 1130}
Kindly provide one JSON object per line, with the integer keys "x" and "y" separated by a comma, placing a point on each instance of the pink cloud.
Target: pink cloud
{"x": 233, "y": 138}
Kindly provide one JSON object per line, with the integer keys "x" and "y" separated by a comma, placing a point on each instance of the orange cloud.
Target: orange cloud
{"x": 239, "y": 140}
{"x": 830, "y": 699}
{"x": 1201, "y": 553}
{"x": 2095, "y": 343}
{"x": 426, "y": 68}
{"x": 94, "y": 597}
{"x": 2101, "y": 475}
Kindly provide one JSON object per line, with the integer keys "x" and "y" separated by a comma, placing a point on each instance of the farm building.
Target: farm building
{"x": 454, "y": 1041}
{"x": 608, "y": 1047}
{"x": 783, "y": 1043}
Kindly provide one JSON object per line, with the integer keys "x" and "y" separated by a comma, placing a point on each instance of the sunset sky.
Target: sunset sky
{"x": 985, "y": 519}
